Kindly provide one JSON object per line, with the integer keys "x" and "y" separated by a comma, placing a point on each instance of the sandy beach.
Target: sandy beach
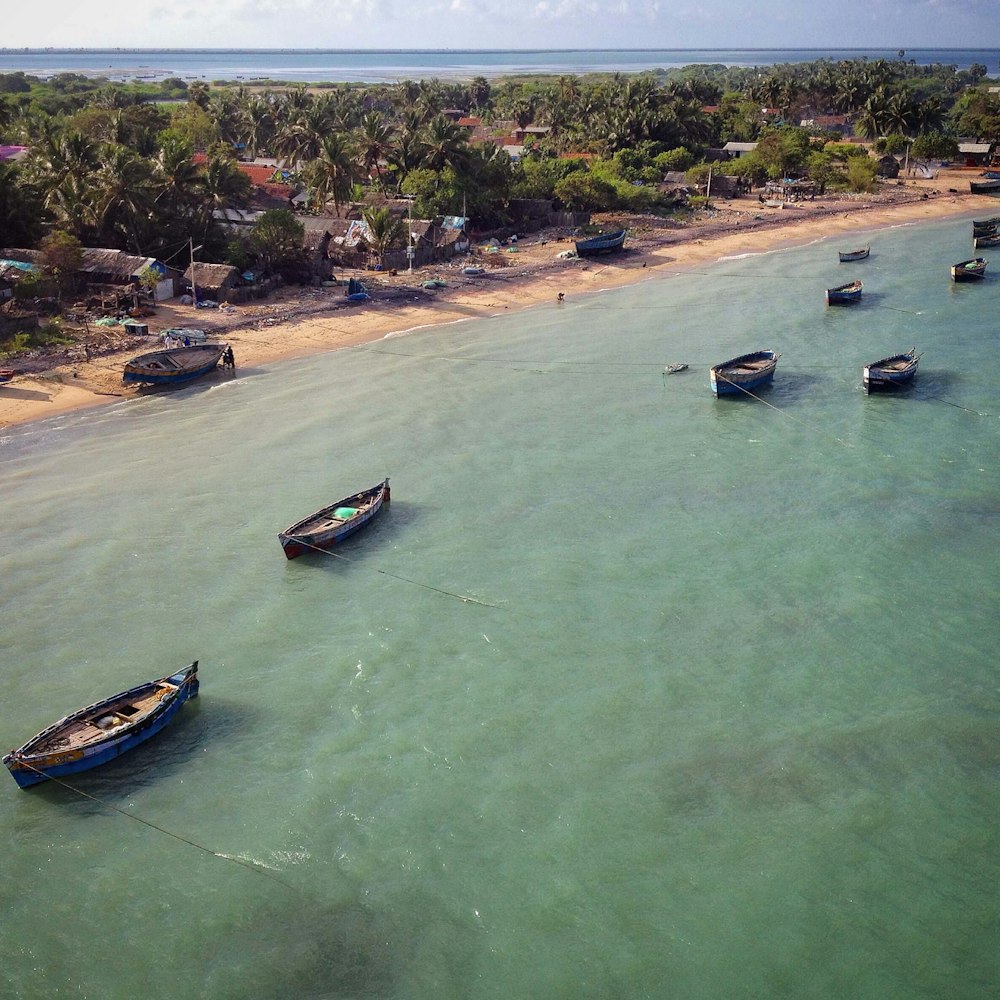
{"x": 297, "y": 322}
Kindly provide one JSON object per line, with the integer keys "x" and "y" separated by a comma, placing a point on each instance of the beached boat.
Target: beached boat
{"x": 982, "y": 242}
{"x": 844, "y": 294}
{"x": 969, "y": 270}
{"x": 331, "y": 525}
{"x": 894, "y": 372}
{"x": 102, "y": 731}
{"x": 988, "y": 185}
{"x": 174, "y": 365}
{"x": 742, "y": 374}
{"x": 605, "y": 243}
{"x": 6, "y": 374}
{"x": 850, "y": 255}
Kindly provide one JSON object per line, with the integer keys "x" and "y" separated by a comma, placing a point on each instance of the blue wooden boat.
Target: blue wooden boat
{"x": 743, "y": 374}
{"x": 844, "y": 294}
{"x": 605, "y": 243}
{"x": 6, "y": 374}
{"x": 969, "y": 270}
{"x": 894, "y": 372}
{"x": 102, "y": 731}
{"x": 330, "y": 525}
{"x": 174, "y": 365}
{"x": 852, "y": 255}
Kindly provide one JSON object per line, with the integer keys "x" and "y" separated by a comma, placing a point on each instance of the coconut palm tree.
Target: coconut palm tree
{"x": 374, "y": 144}
{"x": 124, "y": 198}
{"x": 333, "y": 172}
{"x": 445, "y": 145}
{"x": 387, "y": 231}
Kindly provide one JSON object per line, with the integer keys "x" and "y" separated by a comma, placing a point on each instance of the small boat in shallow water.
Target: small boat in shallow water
{"x": 844, "y": 294}
{"x": 331, "y": 525}
{"x": 984, "y": 242}
{"x": 102, "y": 731}
{"x": 851, "y": 255}
{"x": 969, "y": 270}
{"x": 740, "y": 375}
{"x": 894, "y": 372}
{"x": 175, "y": 365}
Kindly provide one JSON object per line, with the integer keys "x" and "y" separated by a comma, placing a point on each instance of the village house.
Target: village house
{"x": 974, "y": 154}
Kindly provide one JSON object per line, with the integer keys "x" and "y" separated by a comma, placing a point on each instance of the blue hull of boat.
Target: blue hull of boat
{"x": 169, "y": 378}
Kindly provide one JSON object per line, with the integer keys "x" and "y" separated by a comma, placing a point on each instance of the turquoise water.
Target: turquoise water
{"x": 631, "y": 692}
{"x": 374, "y": 65}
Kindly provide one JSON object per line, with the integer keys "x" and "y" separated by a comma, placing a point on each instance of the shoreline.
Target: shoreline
{"x": 304, "y": 322}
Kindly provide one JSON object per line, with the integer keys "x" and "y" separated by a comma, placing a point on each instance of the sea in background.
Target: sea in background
{"x": 390, "y": 65}
{"x": 630, "y": 691}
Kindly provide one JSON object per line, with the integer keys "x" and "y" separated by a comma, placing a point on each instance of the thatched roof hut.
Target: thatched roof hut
{"x": 213, "y": 281}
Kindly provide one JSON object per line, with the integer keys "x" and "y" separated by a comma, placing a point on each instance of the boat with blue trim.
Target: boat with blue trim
{"x": 893, "y": 372}
{"x": 331, "y": 525}
{"x": 743, "y": 374}
{"x": 604, "y": 243}
{"x": 175, "y": 365}
{"x": 844, "y": 295}
{"x": 103, "y": 731}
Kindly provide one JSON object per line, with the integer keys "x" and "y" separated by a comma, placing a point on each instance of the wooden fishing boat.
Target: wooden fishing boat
{"x": 844, "y": 294}
{"x": 851, "y": 255}
{"x": 987, "y": 229}
{"x": 331, "y": 525}
{"x": 605, "y": 243}
{"x": 992, "y": 222}
{"x": 982, "y": 242}
{"x": 894, "y": 372}
{"x": 969, "y": 270}
{"x": 174, "y": 365}
{"x": 742, "y": 374}
{"x": 988, "y": 185}
{"x": 102, "y": 731}
{"x": 6, "y": 374}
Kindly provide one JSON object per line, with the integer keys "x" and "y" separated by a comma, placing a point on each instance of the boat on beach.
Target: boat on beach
{"x": 102, "y": 731}
{"x": 330, "y": 525}
{"x": 893, "y": 372}
{"x": 852, "y": 255}
{"x": 969, "y": 270}
{"x": 988, "y": 185}
{"x": 174, "y": 365}
{"x": 605, "y": 243}
{"x": 744, "y": 373}
{"x": 844, "y": 294}
{"x": 6, "y": 374}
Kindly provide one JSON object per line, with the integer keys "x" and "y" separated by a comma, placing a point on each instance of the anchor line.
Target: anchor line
{"x": 464, "y": 598}
{"x": 258, "y": 869}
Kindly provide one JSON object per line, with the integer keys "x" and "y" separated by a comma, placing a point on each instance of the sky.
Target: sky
{"x": 501, "y": 24}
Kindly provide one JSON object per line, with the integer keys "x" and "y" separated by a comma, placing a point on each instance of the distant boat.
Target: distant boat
{"x": 844, "y": 294}
{"x": 895, "y": 372}
{"x": 969, "y": 270}
{"x": 982, "y": 242}
{"x": 850, "y": 255}
{"x": 986, "y": 186}
{"x": 985, "y": 229}
{"x": 740, "y": 375}
{"x": 605, "y": 243}
{"x": 331, "y": 525}
{"x": 991, "y": 223}
{"x": 102, "y": 731}
{"x": 174, "y": 365}
{"x": 6, "y": 374}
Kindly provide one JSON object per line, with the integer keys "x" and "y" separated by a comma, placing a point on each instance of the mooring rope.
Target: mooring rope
{"x": 416, "y": 583}
{"x": 251, "y": 866}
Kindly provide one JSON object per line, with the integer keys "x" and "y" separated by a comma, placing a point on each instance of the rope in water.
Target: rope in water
{"x": 464, "y": 598}
{"x": 251, "y": 866}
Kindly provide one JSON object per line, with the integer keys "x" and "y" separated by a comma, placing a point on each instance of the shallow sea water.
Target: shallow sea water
{"x": 629, "y": 692}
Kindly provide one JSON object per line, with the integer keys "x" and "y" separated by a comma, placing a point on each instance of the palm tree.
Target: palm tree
{"x": 124, "y": 197}
{"x": 387, "y": 231}
{"x": 374, "y": 144}
{"x": 333, "y": 172}
{"x": 445, "y": 145}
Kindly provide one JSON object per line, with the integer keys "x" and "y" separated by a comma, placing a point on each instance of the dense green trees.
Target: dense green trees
{"x": 110, "y": 165}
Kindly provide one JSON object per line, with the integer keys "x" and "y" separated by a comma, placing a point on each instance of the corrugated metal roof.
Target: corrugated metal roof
{"x": 981, "y": 148}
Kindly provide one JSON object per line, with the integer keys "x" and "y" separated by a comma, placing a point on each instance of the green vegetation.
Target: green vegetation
{"x": 114, "y": 165}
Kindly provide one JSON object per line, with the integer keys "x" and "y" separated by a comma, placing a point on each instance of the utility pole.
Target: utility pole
{"x": 194, "y": 288}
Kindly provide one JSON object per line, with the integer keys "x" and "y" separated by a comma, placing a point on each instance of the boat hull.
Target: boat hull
{"x": 186, "y": 364}
{"x": 596, "y": 245}
{"x": 844, "y": 295}
{"x": 323, "y": 531}
{"x": 846, "y": 258}
{"x": 984, "y": 187}
{"x": 890, "y": 374}
{"x": 969, "y": 270}
{"x": 28, "y": 767}
{"x": 743, "y": 374}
